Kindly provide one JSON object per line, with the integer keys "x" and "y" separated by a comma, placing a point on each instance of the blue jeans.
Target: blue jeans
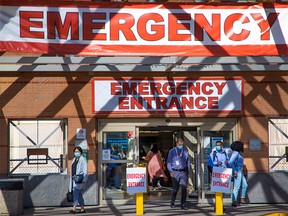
{"x": 239, "y": 182}
{"x": 77, "y": 197}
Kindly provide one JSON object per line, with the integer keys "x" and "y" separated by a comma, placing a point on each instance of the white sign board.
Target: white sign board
{"x": 166, "y": 95}
{"x": 136, "y": 180}
{"x": 221, "y": 179}
{"x": 81, "y": 133}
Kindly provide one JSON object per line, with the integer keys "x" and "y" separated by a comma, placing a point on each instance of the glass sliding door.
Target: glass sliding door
{"x": 118, "y": 153}
{"x": 209, "y": 136}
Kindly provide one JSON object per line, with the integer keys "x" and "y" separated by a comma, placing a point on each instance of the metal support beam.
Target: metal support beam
{"x": 142, "y": 64}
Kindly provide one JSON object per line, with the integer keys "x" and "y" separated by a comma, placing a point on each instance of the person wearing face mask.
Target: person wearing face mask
{"x": 78, "y": 167}
{"x": 236, "y": 162}
{"x": 218, "y": 157}
{"x": 178, "y": 165}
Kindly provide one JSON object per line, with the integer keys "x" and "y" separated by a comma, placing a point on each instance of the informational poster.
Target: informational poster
{"x": 136, "y": 180}
{"x": 106, "y": 154}
{"x": 221, "y": 179}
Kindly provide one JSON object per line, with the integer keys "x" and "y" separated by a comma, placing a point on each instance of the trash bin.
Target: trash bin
{"x": 11, "y": 196}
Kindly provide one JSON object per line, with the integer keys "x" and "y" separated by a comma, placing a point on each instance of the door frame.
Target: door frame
{"x": 221, "y": 126}
{"x": 202, "y": 124}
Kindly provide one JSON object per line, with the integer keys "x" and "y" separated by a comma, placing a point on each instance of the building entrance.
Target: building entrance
{"x": 123, "y": 143}
{"x": 165, "y": 139}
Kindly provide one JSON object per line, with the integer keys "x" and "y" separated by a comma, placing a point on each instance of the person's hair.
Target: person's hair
{"x": 154, "y": 148}
{"x": 79, "y": 149}
{"x": 237, "y": 146}
{"x": 219, "y": 142}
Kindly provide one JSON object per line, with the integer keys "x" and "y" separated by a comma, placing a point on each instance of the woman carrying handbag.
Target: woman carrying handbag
{"x": 78, "y": 179}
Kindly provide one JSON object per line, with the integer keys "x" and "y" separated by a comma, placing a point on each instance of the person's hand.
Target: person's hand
{"x": 219, "y": 163}
{"x": 172, "y": 174}
{"x": 235, "y": 175}
{"x": 226, "y": 162}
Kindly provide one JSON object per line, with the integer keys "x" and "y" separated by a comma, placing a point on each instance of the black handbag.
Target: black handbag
{"x": 69, "y": 196}
{"x": 78, "y": 178}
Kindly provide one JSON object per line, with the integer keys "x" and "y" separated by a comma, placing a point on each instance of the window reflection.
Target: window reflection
{"x": 120, "y": 145}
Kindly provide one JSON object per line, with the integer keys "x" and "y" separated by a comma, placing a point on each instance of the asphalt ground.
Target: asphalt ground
{"x": 163, "y": 208}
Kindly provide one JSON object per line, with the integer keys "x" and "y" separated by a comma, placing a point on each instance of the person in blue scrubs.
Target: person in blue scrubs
{"x": 236, "y": 162}
{"x": 178, "y": 165}
{"x": 218, "y": 157}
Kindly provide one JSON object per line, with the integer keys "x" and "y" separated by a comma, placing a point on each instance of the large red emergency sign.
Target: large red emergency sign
{"x": 87, "y": 28}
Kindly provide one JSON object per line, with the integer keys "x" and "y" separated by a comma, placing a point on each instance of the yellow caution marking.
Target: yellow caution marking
{"x": 277, "y": 214}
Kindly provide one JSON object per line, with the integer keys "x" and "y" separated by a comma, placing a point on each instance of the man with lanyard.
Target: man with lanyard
{"x": 178, "y": 164}
{"x": 218, "y": 157}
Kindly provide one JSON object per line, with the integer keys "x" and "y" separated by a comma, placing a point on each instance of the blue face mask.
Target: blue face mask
{"x": 180, "y": 147}
{"x": 77, "y": 154}
{"x": 218, "y": 148}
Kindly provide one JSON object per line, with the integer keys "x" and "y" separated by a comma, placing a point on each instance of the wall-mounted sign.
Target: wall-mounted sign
{"x": 81, "y": 133}
{"x": 166, "y": 95}
{"x": 254, "y": 144}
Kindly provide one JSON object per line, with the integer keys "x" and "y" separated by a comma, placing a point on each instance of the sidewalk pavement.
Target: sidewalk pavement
{"x": 163, "y": 209}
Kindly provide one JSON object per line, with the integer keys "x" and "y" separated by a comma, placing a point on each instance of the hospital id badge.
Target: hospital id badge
{"x": 177, "y": 162}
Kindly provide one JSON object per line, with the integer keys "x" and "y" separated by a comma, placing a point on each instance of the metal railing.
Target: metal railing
{"x": 38, "y": 165}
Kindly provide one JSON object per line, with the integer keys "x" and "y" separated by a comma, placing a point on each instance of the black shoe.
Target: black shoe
{"x": 184, "y": 207}
{"x": 234, "y": 204}
{"x": 172, "y": 205}
{"x": 72, "y": 212}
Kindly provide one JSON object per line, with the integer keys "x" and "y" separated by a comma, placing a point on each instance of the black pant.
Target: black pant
{"x": 176, "y": 184}
{"x": 155, "y": 181}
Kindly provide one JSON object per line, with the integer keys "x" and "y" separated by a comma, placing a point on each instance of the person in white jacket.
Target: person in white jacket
{"x": 78, "y": 179}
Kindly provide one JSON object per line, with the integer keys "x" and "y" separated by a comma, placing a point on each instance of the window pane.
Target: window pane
{"x": 120, "y": 145}
{"x": 47, "y": 140}
{"x": 115, "y": 181}
{"x": 278, "y": 132}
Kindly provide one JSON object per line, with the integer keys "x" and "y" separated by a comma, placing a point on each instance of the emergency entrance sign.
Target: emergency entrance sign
{"x": 136, "y": 180}
{"x": 221, "y": 179}
{"x": 128, "y": 95}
